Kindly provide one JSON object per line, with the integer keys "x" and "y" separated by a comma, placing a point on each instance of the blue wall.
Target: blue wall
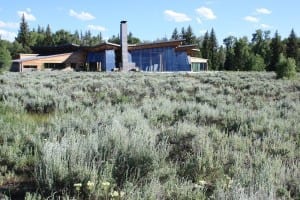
{"x": 152, "y": 59}
{"x": 107, "y": 59}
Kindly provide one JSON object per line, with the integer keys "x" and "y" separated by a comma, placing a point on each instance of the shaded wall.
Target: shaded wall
{"x": 106, "y": 58}
{"x": 160, "y": 59}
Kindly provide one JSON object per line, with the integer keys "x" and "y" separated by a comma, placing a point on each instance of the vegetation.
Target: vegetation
{"x": 286, "y": 67}
{"x": 218, "y": 135}
{"x": 5, "y": 57}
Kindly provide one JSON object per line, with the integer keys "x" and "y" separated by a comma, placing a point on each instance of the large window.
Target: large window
{"x": 55, "y": 65}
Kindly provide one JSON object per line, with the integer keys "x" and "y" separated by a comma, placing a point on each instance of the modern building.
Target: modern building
{"x": 166, "y": 56}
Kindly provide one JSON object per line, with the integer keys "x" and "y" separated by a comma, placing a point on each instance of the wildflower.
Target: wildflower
{"x": 105, "y": 186}
{"x": 77, "y": 186}
{"x": 114, "y": 194}
{"x": 202, "y": 182}
{"x": 122, "y": 194}
{"x": 90, "y": 185}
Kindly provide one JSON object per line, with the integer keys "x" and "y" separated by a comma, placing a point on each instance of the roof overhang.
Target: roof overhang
{"x": 49, "y": 50}
{"x": 102, "y": 47}
{"x": 197, "y": 60}
{"x": 32, "y": 58}
{"x": 172, "y": 43}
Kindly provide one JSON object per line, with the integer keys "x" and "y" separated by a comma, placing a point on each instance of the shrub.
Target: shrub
{"x": 129, "y": 167}
{"x": 286, "y": 68}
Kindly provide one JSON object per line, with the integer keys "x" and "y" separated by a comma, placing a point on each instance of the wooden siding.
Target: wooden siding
{"x": 77, "y": 58}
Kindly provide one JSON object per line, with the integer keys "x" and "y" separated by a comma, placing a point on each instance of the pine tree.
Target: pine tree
{"x": 205, "y": 46}
{"x": 189, "y": 36}
{"x": 292, "y": 47}
{"x": 213, "y": 48}
{"x": 182, "y": 35}
{"x": 48, "y": 37}
{"x": 24, "y": 34}
{"x": 175, "y": 35}
{"x": 276, "y": 49}
{"x": 229, "y": 60}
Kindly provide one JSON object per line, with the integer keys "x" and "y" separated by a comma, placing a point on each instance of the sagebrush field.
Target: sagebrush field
{"x": 150, "y": 136}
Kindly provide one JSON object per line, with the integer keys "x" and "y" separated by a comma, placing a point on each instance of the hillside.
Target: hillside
{"x": 214, "y": 135}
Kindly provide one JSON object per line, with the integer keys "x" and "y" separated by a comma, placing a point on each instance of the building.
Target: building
{"x": 166, "y": 56}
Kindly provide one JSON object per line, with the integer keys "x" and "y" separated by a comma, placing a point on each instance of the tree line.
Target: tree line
{"x": 261, "y": 53}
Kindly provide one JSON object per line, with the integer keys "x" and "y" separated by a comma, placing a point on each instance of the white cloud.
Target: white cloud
{"x": 96, "y": 28}
{"x": 203, "y": 31}
{"x": 84, "y": 16}
{"x": 251, "y": 19}
{"x": 8, "y": 24}
{"x": 264, "y": 11}
{"x": 205, "y": 12}
{"x": 27, "y": 14}
{"x": 265, "y": 26}
{"x": 199, "y": 21}
{"x": 7, "y": 35}
{"x": 175, "y": 16}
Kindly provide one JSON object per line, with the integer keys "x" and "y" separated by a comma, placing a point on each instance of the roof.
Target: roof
{"x": 197, "y": 60}
{"x": 186, "y": 47}
{"x": 49, "y": 50}
{"x": 171, "y": 43}
{"x": 37, "y": 57}
{"x": 101, "y": 46}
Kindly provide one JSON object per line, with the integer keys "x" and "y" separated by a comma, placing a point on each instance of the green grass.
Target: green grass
{"x": 222, "y": 135}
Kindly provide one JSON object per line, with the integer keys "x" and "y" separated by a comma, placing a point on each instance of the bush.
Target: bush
{"x": 286, "y": 68}
{"x": 130, "y": 167}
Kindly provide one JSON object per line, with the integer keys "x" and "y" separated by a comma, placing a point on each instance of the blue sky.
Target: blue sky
{"x": 153, "y": 19}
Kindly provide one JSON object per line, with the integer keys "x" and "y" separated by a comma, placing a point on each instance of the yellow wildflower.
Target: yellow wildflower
{"x": 90, "y": 185}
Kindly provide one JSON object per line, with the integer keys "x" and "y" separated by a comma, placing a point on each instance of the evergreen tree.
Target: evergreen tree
{"x": 24, "y": 35}
{"x": 205, "y": 46}
{"x": 189, "y": 36}
{"x": 48, "y": 37}
{"x": 292, "y": 50}
{"x": 175, "y": 35}
{"x": 229, "y": 60}
{"x": 276, "y": 49}
{"x": 213, "y": 48}
{"x": 182, "y": 33}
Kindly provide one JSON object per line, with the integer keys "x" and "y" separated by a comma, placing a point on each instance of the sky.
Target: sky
{"x": 153, "y": 19}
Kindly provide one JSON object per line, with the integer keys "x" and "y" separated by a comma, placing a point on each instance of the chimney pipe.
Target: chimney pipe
{"x": 124, "y": 45}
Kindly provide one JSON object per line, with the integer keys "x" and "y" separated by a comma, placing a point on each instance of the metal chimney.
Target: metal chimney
{"x": 124, "y": 46}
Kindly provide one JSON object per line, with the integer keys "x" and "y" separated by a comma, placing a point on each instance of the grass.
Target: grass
{"x": 220, "y": 135}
